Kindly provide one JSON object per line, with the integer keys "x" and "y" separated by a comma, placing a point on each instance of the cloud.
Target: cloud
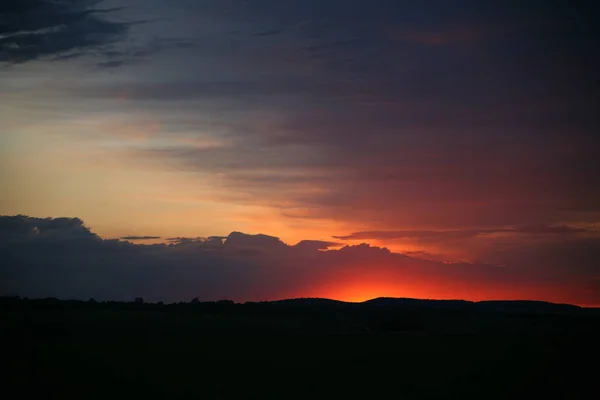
{"x": 573, "y": 256}
{"x": 34, "y": 29}
{"x": 65, "y": 30}
{"x": 180, "y": 239}
{"x": 207, "y": 241}
{"x": 140, "y": 237}
{"x": 481, "y": 245}
{"x": 424, "y": 254}
{"x": 307, "y": 245}
{"x": 21, "y": 228}
{"x": 409, "y": 164}
{"x": 78, "y": 264}
{"x": 544, "y": 229}
{"x": 330, "y": 114}
{"x": 453, "y": 234}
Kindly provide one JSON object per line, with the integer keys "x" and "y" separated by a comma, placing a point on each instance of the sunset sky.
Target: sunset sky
{"x": 458, "y": 139}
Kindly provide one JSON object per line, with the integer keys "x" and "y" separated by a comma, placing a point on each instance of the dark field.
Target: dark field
{"x": 299, "y": 349}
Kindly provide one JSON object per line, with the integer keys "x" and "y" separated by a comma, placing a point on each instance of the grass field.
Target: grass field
{"x": 61, "y": 349}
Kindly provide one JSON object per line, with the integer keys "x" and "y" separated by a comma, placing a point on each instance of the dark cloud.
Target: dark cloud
{"x": 395, "y": 113}
{"x": 205, "y": 241}
{"x": 140, "y": 237}
{"x": 574, "y": 257}
{"x": 181, "y": 239}
{"x": 64, "y": 30}
{"x": 255, "y": 267}
{"x": 21, "y": 228}
{"x": 33, "y": 29}
{"x": 307, "y": 245}
{"x": 256, "y": 242}
{"x": 557, "y": 229}
{"x": 424, "y": 254}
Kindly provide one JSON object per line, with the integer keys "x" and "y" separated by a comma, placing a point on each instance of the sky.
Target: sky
{"x": 261, "y": 149}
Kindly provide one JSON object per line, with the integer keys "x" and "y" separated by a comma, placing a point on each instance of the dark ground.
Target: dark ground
{"x": 299, "y": 349}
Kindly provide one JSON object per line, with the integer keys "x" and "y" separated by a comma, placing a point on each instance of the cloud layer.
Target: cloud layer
{"x": 384, "y": 114}
{"x": 445, "y": 235}
{"x": 63, "y": 258}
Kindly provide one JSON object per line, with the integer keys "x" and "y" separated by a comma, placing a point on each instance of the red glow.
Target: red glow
{"x": 362, "y": 287}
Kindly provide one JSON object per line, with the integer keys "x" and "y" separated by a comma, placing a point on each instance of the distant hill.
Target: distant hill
{"x": 509, "y": 306}
{"x": 381, "y": 303}
{"x": 488, "y": 306}
{"x": 525, "y": 306}
{"x": 409, "y": 302}
{"x": 313, "y": 301}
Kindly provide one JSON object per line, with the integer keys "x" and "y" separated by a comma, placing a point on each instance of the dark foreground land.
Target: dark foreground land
{"x": 299, "y": 349}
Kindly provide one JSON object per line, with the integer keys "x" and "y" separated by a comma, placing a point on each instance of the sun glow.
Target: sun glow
{"x": 360, "y": 289}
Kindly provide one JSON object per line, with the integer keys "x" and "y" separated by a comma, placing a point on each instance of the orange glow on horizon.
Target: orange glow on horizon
{"x": 360, "y": 287}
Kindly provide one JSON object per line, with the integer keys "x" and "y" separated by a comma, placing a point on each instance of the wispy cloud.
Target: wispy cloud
{"x": 141, "y": 237}
{"x": 36, "y": 29}
{"x": 452, "y": 234}
{"x": 65, "y": 30}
